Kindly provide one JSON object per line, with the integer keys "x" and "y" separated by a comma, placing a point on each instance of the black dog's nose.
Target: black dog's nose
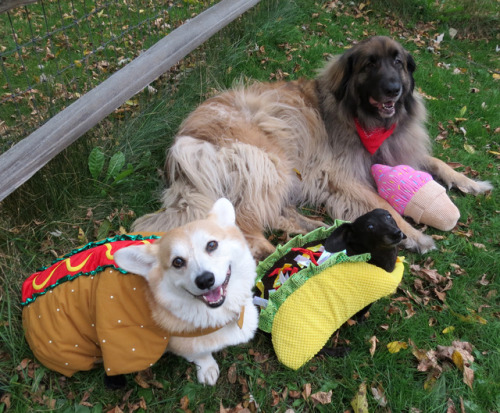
{"x": 205, "y": 280}
{"x": 401, "y": 235}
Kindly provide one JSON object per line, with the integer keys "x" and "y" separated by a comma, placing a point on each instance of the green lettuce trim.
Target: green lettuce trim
{"x": 94, "y": 272}
{"x": 277, "y": 298}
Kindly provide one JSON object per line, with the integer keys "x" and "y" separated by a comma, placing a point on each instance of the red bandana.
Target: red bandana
{"x": 373, "y": 139}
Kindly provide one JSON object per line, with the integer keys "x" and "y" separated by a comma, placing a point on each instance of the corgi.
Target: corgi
{"x": 188, "y": 292}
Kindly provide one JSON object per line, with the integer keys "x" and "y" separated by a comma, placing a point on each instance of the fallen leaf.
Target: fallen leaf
{"x": 306, "y": 391}
{"x": 373, "y": 347}
{"x": 396, "y": 346}
{"x": 458, "y": 359}
{"x": 322, "y": 397}
{"x": 231, "y": 374}
{"x": 379, "y": 395}
{"x": 276, "y": 398}
{"x": 359, "y": 403}
{"x": 468, "y": 376}
{"x": 185, "y": 403}
{"x": 469, "y": 148}
{"x": 448, "y": 330}
{"x": 451, "y": 407}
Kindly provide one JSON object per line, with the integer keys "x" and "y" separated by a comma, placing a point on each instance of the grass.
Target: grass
{"x": 280, "y": 40}
{"x": 61, "y": 50}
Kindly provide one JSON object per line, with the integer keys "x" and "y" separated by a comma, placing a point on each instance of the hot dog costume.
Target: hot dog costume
{"x": 84, "y": 309}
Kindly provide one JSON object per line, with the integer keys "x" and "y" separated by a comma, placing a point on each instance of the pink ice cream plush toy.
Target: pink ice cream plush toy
{"x": 415, "y": 194}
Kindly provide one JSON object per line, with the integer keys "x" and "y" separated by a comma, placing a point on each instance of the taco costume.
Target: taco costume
{"x": 84, "y": 309}
{"x": 310, "y": 303}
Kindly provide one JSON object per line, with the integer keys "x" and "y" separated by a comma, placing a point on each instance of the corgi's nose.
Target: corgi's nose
{"x": 205, "y": 280}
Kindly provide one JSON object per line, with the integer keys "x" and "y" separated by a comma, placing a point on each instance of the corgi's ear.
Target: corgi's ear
{"x": 223, "y": 212}
{"x": 137, "y": 259}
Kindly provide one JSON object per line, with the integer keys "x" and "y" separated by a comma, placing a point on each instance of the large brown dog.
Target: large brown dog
{"x": 269, "y": 147}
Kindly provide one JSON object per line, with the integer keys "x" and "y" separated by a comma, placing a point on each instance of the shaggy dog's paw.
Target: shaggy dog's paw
{"x": 423, "y": 244}
{"x": 208, "y": 374}
{"x": 475, "y": 187}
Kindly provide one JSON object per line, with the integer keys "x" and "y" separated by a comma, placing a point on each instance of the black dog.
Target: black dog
{"x": 375, "y": 232}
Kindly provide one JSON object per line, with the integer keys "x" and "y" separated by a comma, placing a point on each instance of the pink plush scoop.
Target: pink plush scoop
{"x": 415, "y": 194}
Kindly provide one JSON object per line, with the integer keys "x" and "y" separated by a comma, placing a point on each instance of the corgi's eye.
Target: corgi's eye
{"x": 178, "y": 262}
{"x": 212, "y": 246}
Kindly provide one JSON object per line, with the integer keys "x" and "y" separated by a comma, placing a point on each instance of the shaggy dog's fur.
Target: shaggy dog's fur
{"x": 272, "y": 146}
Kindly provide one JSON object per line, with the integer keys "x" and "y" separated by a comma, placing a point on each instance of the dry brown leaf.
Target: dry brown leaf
{"x": 306, "y": 391}
{"x": 451, "y": 407}
{"x": 6, "y": 400}
{"x": 322, "y": 397}
{"x": 231, "y": 374}
{"x": 379, "y": 395}
{"x": 141, "y": 381}
{"x": 275, "y": 396}
{"x": 373, "y": 340}
{"x": 483, "y": 280}
{"x": 468, "y": 376}
{"x": 184, "y": 403}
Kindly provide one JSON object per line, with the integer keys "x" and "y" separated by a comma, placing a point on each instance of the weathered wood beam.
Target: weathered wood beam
{"x": 24, "y": 159}
{"x": 6, "y": 5}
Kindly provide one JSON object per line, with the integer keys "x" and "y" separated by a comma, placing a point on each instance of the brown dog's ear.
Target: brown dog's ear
{"x": 335, "y": 77}
{"x": 410, "y": 63}
{"x": 346, "y": 67}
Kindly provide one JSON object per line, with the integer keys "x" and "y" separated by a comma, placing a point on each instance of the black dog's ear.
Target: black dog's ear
{"x": 337, "y": 241}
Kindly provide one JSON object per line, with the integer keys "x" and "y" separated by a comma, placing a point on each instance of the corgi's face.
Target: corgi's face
{"x": 192, "y": 262}
{"x": 197, "y": 259}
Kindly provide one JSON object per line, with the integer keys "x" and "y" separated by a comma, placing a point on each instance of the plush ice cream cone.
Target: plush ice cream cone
{"x": 415, "y": 194}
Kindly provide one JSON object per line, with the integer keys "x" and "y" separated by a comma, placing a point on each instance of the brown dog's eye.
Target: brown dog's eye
{"x": 398, "y": 61}
{"x": 212, "y": 246}
{"x": 178, "y": 262}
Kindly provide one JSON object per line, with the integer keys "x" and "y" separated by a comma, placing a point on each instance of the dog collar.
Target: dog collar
{"x": 372, "y": 140}
{"x": 204, "y": 331}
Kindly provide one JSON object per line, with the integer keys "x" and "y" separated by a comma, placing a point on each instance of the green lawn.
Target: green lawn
{"x": 447, "y": 297}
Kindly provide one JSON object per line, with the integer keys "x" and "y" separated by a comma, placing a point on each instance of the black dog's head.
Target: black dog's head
{"x": 374, "y": 78}
{"x": 375, "y": 229}
{"x": 375, "y": 232}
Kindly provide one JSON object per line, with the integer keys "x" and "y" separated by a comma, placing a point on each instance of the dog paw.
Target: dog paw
{"x": 475, "y": 187}
{"x": 424, "y": 243}
{"x": 208, "y": 374}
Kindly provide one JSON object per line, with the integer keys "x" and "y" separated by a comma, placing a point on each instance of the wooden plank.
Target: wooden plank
{"x": 6, "y": 5}
{"x": 24, "y": 159}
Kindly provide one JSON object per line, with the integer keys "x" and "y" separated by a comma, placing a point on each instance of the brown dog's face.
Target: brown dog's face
{"x": 377, "y": 78}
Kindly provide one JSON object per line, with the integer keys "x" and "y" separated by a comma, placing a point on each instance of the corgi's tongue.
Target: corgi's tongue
{"x": 213, "y": 297}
